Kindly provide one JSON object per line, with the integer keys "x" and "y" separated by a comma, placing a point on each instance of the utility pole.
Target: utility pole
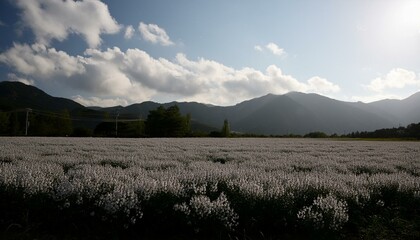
{"x": 27, "y": 122}
{"x": 116, "y": 124}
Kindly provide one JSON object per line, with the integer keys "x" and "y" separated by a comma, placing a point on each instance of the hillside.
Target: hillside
{"x": 300, "y": 113}
{"x": 18, "y": 96}
{"x": 404, "y": 111}
{"x": 15, "y": 95}
{"x": 291, "y": 113}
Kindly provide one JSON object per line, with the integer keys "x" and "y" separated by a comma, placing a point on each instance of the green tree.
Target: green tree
{"x": 15, "y": 124}
{"x": 225, "y": 129}
{"x": 107, "y": 117}
{"x": 50, "y": 124}
{"x": 413, "y": 130}
{"x": 155, "y": 125}
{"x": 65, "y": 125}
{"x": 316, "y": 135}
{"x": 166, "y": 122}
{"x": 4, "y": 123}
{"x": 82, "y": 132}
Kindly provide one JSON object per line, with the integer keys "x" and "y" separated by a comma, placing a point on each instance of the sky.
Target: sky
{"x": 221, "y": 52}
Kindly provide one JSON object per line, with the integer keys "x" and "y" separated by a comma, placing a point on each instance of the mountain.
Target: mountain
{"x": 403, "y": 112}
{"x": 291, "y": 113}
{"x": 294, "y": 113}
{"x": 300, "y": 113}
{"x": 16, "y": 95}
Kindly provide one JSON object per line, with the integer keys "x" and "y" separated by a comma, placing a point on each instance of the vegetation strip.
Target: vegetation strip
{"x": 221, "y": 188}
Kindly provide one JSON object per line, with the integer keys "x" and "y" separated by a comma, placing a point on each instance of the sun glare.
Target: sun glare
{"x": 408, "y": 16}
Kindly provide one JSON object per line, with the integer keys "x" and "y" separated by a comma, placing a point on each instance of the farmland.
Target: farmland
{"x": 210, "y": 188}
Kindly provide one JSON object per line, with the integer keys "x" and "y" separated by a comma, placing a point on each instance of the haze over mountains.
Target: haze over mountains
{"x": 291, "y": 113}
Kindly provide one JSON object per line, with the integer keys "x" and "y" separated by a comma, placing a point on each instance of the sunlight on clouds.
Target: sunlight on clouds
{"x": 135, "y": 76}
{"x": 276, "y": 50}
{"x": 374, "y": 98}
{"x": 102, "y": 102}
{"x": 51, "y": 19}
{"x": 397, "y": 78}
{"x": 384, "y": 87}
{"x": 41, "y": 62}
{"x": 272, "y": 48}
{"x": 14, "y": 78}
{"x": 129, "y": 32}
{"x": 322, "y": 85}
{"x": 258, "y": 48}
{"x": 154, "y": 34}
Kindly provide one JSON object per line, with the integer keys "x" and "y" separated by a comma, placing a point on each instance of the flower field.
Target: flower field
{"x": 210, "y": 188}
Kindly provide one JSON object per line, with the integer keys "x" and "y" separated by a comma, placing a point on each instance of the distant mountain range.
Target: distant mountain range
{"x": 291, "y": 113}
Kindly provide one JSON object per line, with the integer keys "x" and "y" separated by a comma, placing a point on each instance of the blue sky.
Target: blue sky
{"x": 220, "y": 52}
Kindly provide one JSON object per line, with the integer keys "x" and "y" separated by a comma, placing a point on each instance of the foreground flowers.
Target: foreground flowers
{"x": 225, "y": 185}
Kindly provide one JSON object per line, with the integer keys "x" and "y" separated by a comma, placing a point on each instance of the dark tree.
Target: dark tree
{"x": 105, "y": 129}
{"x": 413, "y": 130}
{"x": 316, "y": 135}
{"x": 64, "y": 124}
{"x": 225, "y": 129}
{"x": 155, "y": 123}
{"x": 82, "y": 132}
{"x": 166, "y": 123}
{"x": 4, "y": 123}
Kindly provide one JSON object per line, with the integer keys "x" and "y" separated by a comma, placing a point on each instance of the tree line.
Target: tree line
{"x": 16, "y": 123}
{"x": 412, "y": 131}
{"x": 160, "y": 122}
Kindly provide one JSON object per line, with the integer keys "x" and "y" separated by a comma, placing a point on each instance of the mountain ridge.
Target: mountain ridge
{"x": 290, "y": 113}
{"x": 19, "y": 95}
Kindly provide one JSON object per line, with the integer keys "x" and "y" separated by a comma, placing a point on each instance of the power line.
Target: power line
{"x": 100, "y": 118}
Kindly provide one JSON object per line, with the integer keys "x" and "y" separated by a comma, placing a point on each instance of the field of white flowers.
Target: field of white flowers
{"x": 231, "y": 188}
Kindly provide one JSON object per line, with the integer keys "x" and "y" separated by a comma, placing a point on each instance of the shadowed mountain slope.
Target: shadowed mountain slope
{"x": 15, "y": 95}
{"x": 291, "y": 113}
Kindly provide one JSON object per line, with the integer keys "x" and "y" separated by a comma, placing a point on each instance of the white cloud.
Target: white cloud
{"x": 14, "y": 78}
{"x": 322, "y": 85}
{"x": 41, "y": 62}
{"x": 129, "y": 32}
{"x": 114, "y": 76}
{"x": 397, "y": 78}
{"x": 103, "y": 102}
{"x": 272, "y": 48}
{"x": 2, "y": 24}
{"x": 258, "y": 48}
{"x": 376, "y": 97}
{"x": 276, "y": 50}
{"x": 52, "y": 19}
{"x": 154, "y": 34}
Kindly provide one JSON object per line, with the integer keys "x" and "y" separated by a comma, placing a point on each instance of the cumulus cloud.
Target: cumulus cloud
{"x": 258, "y": 48}
{"x": 154, "y": 34}
{"x": 322, "y": 85}
{"x": 14, "y": 78}
{"x": 129, "y": 32}
{"x": 123, "y": 77}
{"x": 276, "y": 50}
{"x": 373, "y": 98}
{"x": 52, "y": 19}
{"x": 41, "y": 62}
{"x": 397, "y": 78}
{"x": 272, "y": 48}
{"x": 384, "y": 87}
{"x": 102, "y": 102}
